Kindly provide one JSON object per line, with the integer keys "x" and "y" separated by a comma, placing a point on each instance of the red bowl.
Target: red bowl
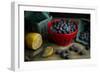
{"x": 58, "y": 38}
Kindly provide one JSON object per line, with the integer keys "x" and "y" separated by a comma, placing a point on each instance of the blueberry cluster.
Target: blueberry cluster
{"x": 77, "y": 49}
{"x": 84, "y": 36}
{"x": 74, "y": 48}
{"x": 63, "y": 54}
{"x": 63, "y": 27}
{"x": 66, "y": 54}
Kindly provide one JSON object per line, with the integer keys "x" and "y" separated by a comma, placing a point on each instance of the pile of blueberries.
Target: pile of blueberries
{"x": 63, "y": 27}
{"x": 84, "y": 36}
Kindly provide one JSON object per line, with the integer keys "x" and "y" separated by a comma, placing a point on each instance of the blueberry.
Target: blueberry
{"x": 62, "y": 20}
{"x": 81, "y": 53}
{"x": 59, "y": 31}
{"x": 71, "y": 49}
{"x": 67, "y": 29}
{"x": 64, "y": 27}
{"x": 64, "y": 55}
{"x": 57, "y": 28}
{"x": 75, "y": 50}
{"x": 60, "y": 28}
{"x": 87, "y": 47}
{"x": 59, "y": 23}
{"x": 67, "y": 32}
{"x": 62, "y": 32}
{"x": 66, "y": 51}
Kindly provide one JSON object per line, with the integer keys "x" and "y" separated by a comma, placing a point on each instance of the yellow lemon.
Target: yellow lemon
{"x": 33, "y": 40}
{"x": 48, "y": 51}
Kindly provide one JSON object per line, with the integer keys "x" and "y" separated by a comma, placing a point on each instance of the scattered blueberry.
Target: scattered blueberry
{"x": 87, "y": 47}
{"x": 82, "y": 53}
{"x": 74, "y": 48}
{"x": 64, "y": 55}
{"x": 66, "y": 51}
{"x": 70, "y": 49}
